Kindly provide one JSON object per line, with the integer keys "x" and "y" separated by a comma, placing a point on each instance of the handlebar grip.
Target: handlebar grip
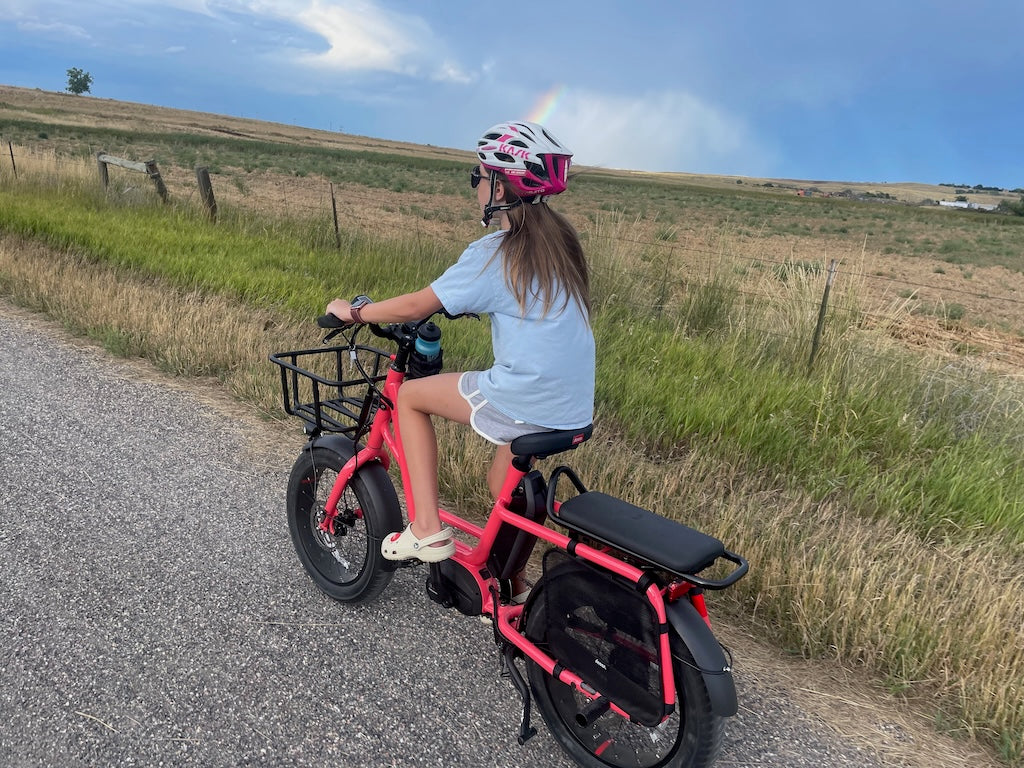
{"x": 330, "y": 321}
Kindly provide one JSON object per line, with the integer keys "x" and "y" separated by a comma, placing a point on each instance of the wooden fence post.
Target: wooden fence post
{"x": 821, "y": 314}
{"x": 154, "y": 174}
{"x": 206, "y": 191}
{"x": 102, "y": 164}
{"x": 13, "y": 166}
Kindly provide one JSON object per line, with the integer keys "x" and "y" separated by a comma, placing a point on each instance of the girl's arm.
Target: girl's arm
{"x": 408, "y": 306}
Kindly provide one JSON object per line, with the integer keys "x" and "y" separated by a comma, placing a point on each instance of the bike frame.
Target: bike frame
{"x": 383, "y": 443}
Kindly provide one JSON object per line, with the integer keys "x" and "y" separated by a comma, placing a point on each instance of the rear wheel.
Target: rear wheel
{"x": 690, "y": 738}
{"x": 345, "y": 564}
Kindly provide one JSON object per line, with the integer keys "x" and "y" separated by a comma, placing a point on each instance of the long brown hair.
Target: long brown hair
{"x": 541, "y": 253}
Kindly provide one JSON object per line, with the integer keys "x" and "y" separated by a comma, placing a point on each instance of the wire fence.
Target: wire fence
{"x": 958, "y": 316}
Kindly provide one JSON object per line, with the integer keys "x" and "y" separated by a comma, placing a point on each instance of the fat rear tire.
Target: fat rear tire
{"x": 690, "y": 738}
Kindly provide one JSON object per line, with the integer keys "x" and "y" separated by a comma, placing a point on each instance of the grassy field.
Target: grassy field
{"x": 878, "y": 495}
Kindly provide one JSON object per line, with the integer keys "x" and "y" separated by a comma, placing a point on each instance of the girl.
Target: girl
{"x": 531, "y": 278}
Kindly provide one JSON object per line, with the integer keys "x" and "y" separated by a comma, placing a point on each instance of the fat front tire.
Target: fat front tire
{"x": 347, "y": 564}
{"x": 690, "y": 738}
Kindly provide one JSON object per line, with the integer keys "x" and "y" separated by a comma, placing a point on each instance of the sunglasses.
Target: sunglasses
{"x": 475, "y": 176}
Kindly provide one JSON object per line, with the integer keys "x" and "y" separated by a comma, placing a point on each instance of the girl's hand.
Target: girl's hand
{"x": 341, "y": 309}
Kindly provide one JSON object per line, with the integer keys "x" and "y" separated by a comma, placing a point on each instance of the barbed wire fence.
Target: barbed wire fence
{"x": 336, "y": 207}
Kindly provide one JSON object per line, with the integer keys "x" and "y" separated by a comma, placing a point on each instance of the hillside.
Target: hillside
{"x": 67, "y": 109}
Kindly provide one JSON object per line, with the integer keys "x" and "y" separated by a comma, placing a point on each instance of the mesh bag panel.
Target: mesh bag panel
{"x": 601, "y": 628}
{"x": 420, "y": 366}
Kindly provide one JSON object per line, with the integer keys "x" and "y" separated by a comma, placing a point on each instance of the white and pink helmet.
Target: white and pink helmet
{"x": 534, "y": 162}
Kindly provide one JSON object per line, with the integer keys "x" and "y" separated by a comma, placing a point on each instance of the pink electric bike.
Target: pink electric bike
{"x": 615, "y": 636}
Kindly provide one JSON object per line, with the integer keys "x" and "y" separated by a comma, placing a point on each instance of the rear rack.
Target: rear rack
{"x": 324, "y": 398}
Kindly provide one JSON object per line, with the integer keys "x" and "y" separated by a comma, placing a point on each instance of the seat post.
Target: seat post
{"x": 522, "y": 463}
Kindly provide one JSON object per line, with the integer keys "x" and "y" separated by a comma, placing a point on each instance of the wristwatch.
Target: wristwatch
{"x": 356, "y": 311}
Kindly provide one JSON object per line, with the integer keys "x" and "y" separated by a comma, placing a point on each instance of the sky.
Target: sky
{"x": 828, "y": 90}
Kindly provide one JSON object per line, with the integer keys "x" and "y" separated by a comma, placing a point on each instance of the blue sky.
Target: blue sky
{"x": 874, "y": 90}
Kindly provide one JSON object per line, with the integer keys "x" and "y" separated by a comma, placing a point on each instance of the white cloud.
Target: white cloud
{"x": 337, "y": 36}
{"x": 665, "y": 131}
{"x": 362, "y": 36}
{"x": 55, "y": 29}
{"x": 449, "y": 71}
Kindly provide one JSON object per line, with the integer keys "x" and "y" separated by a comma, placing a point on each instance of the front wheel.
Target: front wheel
{"x": 690, "y": 738}
{"x": 347, "y": 564}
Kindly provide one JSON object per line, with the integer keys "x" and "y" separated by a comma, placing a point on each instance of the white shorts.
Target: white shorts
{"x": 488, "y": 422}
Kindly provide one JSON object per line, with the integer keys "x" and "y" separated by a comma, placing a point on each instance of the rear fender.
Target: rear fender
{"x": 708, "y": 655}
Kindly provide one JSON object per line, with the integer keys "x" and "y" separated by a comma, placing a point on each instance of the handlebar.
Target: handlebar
{"x": 398, "y": 332}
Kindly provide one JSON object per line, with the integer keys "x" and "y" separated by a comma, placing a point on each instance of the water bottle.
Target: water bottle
{"x": 428, "y": 340}
{"x": 425, "y": 359}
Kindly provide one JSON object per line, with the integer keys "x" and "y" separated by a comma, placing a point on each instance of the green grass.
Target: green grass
{"x": 983, "y": 239}
{"x": 260, "y": 264}
{"x": 876, "y": 438}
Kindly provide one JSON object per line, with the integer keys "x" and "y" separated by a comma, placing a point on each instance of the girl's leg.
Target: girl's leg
{"x": 420, "y": 399}
{"x": 499, "y": 469}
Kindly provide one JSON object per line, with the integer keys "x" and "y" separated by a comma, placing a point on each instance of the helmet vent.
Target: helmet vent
{"x": 538, "y": 170}
{"x": 525, "y": 130}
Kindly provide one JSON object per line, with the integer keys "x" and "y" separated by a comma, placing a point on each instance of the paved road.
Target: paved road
{"x": 152, "y": 612}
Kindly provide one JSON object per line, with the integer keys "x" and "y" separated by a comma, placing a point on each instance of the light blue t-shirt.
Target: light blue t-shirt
{"x": 543, "y": 370}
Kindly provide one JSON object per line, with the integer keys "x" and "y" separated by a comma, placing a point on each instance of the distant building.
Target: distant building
{"x": 967, "y": 205}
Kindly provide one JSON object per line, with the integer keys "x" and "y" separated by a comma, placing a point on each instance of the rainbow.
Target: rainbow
{"x": 546, "y": 105}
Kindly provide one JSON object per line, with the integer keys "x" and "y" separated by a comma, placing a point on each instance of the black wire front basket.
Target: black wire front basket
{"x": 333, "y": 389}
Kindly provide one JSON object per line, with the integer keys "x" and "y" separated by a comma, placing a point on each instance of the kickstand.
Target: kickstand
{"x": 526, "y": 731}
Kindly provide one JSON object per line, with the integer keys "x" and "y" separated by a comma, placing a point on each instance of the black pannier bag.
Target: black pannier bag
{"x": 598, "y": 625}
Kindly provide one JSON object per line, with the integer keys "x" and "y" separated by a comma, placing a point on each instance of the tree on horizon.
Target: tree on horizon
{"x": 79, "y": 81}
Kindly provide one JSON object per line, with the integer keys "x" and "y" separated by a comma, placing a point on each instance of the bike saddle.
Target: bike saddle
{"x": 544, "y": 444}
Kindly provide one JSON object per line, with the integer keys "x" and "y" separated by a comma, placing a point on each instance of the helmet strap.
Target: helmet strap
{"x": 490, "y": 209}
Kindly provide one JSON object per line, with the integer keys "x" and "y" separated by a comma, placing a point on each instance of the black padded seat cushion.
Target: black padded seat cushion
{"x": 542, "y": 444}
{"x": 654, "y": 538}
